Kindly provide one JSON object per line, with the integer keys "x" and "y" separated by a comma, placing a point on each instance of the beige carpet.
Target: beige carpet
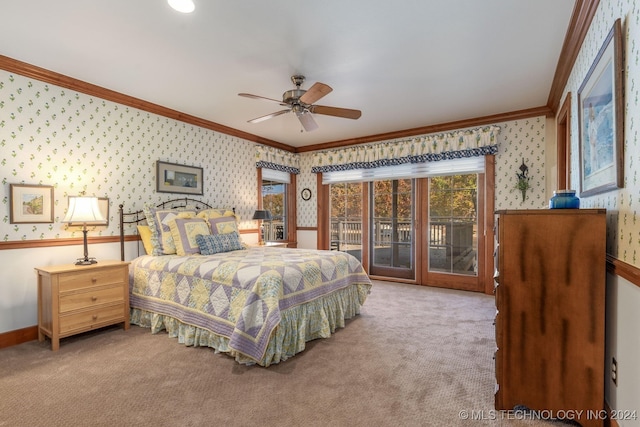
{"x": 416, "y": 356}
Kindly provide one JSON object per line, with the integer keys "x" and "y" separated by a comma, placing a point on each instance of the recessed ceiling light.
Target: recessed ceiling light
{"x": 184, "y": 6}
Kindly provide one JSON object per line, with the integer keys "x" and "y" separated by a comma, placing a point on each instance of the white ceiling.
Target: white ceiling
{"x": 405, "y": 64}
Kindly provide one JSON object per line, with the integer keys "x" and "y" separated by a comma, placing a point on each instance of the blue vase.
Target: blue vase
{"x": 564, "y": 199}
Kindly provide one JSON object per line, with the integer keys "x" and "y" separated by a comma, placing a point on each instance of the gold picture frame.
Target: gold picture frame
{"x": 30, "y": 204}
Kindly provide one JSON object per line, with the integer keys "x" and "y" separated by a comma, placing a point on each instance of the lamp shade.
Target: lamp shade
{"x": 262, "y": 214}
{"x": 84, "y": 210}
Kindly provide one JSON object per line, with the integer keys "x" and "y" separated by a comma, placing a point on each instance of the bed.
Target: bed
{"x": 260, "y": 305}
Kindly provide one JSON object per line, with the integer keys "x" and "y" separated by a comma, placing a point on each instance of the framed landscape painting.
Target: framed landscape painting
{"x": 174, "y": 178}
{"x": 31, "y": 204}
{"x": 601, "y": 112}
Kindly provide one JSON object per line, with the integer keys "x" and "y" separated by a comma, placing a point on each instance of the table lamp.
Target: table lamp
{"x": 261, "y": 215}
{"x": 84, "y": 210}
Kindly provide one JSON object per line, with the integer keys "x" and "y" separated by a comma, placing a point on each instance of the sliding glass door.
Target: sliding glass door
{"x": 345, "y": 216}
{"x": 425, "y": 227}
{"x": 392, "y": 231}
{"x": 453, "y": 224}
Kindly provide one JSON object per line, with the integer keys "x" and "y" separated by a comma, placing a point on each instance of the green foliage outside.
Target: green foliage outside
{"x": 449, "y": 197}
{"x": 453, "y": 197}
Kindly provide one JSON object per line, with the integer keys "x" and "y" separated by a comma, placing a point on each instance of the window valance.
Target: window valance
{"x": 276, "y": 159}
{"x": 421, "y": 149}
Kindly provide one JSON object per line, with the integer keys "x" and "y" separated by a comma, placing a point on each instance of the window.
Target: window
{"x": 345, "y": 213}
{"x": 274, "y": 191}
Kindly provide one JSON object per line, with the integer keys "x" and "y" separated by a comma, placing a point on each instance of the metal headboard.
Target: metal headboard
{"x": 138, "y": 217}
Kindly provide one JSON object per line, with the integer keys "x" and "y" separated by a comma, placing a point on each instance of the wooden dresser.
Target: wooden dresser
{"x": 78, "y": 298}
{"x": 550, "y": 321}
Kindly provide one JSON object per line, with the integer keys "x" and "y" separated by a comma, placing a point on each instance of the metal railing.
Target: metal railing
{"x": 273, "y": 230}
{"x": 349, "y": 233}
{"x": 445, "y": 233}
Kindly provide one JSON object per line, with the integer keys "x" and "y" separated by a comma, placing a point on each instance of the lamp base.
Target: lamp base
{"x": 86, "y": 261}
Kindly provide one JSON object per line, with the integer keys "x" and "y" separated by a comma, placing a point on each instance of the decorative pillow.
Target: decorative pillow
{"x": 217, "y": 243}
{"x": 145, "y": 235}
{"x": 159, "y": 220}
{"x": 223, "y": 225}
{"x": 215, "y": 213}
{"x": 184, "y": 232}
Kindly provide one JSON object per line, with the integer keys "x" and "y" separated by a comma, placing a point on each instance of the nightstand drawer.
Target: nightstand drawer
{"x": 91, "y": 298}
{"x": 87, "y": 320}
{"x": 87, "y": 279}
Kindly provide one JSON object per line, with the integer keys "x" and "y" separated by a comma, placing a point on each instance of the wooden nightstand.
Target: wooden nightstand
{"x": 78, "y": 298}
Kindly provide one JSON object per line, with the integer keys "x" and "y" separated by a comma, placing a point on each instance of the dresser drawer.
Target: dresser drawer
{"x": 90, "y": 319}
{"x": 87, "y": 279}
{"x": 91, "y": 297}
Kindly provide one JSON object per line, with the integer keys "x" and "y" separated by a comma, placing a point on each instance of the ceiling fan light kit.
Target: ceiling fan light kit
{"x": 184, "y": 6}
{"x": 301, "y": 102}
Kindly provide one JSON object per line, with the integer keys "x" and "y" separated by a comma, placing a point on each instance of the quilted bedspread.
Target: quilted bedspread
{"x": 240, "y": 295}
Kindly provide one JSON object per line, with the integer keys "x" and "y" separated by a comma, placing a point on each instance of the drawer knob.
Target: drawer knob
{"x": 94, "y": 298}
{"x": 95, "y": 317}
{"x": 94, "y": 280}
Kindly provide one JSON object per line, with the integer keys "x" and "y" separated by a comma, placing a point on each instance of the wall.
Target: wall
{"x": 623, "y": 205}
{"x": 75, "y": 142}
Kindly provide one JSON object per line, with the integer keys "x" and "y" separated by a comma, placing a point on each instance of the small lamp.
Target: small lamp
{"x": 261, "y": 215}
{"x": 84, "y": 210}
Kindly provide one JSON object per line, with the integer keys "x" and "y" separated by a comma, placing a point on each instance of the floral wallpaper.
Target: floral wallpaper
{"x": 78, "y": 143}
{"x": 623, "y": 205}
{"x": 521, "y": 141}
{"x": 75, "y": 142}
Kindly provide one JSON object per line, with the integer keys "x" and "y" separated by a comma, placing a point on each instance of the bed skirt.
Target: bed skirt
{"x": 298, "y": 325}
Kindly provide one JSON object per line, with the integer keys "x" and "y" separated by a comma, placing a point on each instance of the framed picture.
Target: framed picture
{"x": 601, "y": 115}
{"x": 174, "y": 178}
{"x": 103, "y": 204}
{"x": 31, "y": 204}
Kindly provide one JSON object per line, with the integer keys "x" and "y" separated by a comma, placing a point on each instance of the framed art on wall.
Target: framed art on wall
{"x": 31, "y": 204}
{"x": 600, "y": 116}
{"x": 175, "y": 178}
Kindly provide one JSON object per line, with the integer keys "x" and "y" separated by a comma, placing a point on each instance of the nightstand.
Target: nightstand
{"x": 78, "y": 298}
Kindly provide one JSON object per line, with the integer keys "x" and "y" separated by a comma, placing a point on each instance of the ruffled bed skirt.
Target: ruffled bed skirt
{"x": 306, "y": 322}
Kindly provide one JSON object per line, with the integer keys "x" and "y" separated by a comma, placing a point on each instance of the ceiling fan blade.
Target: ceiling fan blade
{"x": 268, "y": 116}
{"x": 335, "y": 111}
{"x": 307, "y": 121}
{"x": 315, "y": 92}
{"x": 248, "y": 95}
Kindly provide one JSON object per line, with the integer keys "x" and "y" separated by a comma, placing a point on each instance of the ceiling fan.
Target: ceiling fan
{"x": 301, "y": 102}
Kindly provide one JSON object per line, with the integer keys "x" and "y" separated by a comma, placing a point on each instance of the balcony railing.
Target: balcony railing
{"x": 452, "y": 245}
{"x": 273, "y": 230}
{"x": 350, "y": 233}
